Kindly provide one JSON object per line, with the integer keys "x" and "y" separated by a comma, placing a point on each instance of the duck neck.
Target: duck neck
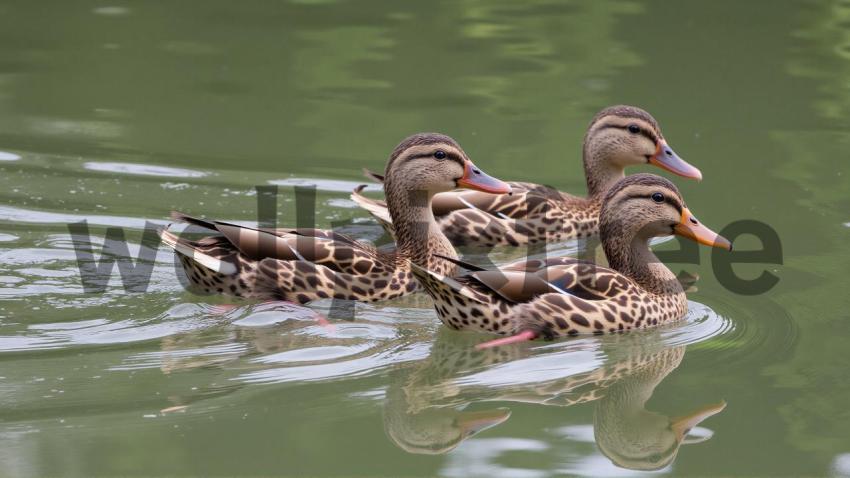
{"x": 418, "y": 236}
{"x": 600, "y": 172}
{"x": 630, "y": 255}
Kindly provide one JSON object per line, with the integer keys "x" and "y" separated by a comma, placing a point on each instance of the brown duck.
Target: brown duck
{"x": 565, "y": 296}
{"x": 302, "y": 265}
{"x": 618, "y": 137}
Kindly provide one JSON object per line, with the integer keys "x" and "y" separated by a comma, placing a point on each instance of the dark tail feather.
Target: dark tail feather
{"x": 373, "y": 175}
{"x": 465, "y": 265}
{"x": 180, "y": 217}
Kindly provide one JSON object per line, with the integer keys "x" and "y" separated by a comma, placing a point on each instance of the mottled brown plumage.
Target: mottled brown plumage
{"x": 618, "y": 137}
{"x": 302, "y": 265}
{"x": 564, "y": 296}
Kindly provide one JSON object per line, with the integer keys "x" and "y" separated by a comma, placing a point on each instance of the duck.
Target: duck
{"x": 302, "y": 265}
{"x": 617, "y": 137}
{"x": 563, "y": 296}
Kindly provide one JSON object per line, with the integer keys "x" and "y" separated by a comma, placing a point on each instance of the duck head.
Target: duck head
{"x": 622, "y": 136}
{"x": 435, "y": 163}
{"x": 643, "y": 206}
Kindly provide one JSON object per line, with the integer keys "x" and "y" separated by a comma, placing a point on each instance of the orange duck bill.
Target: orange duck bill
{"x": 694, "y": 230}
{"x": 666, "y": 158}
{"x": 475, "y": 178}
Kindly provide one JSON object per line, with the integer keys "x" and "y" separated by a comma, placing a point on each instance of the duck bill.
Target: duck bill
{"x": 667, "y": 159}
{"x": 473, "y": 422}
{"x": 694, "y": 230}
{"x": 682, "y": 425}
{"x": 475, "y": 178}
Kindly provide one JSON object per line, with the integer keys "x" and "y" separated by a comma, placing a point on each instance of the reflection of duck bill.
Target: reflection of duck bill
{"x": 647, "y": 441}
{"x": 682, "y": 425}
{"x": 471, "y": 423}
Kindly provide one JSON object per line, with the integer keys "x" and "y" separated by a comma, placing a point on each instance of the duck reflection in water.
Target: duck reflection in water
{"x": 425, "y": 411}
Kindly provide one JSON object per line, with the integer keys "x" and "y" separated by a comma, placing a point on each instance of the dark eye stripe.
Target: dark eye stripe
{"x": 457, "y": 159}
{"x": 422, "y": 155}
{"x": 647, "y": 134}
{"x": 667, "y": 199}
{"x": 673, "y": 203}
{"x": 449, "y": 155}
{"x": 643, "y": 131}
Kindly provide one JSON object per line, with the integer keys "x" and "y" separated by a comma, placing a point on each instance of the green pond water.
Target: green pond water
{"x": 118, "y": 112}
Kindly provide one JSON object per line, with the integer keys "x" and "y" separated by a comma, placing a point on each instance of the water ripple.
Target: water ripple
{"x": 143, "y": 169}
{"x": 334, "y": 185}
{"x": 160, "y": 359}
{"x": 6, "y": 156}
{"x": 356, "y": 367}
{"x": 33, "y": 216}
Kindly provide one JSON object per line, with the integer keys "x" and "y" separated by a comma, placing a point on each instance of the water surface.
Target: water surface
{"x": 116, "y": 113}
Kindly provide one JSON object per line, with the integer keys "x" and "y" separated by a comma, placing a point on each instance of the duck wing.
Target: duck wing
{"x": 322, "y": 247}
{"x": 525, "y": 199}
{"x": 579, "y": 279}
{"x": 535, "y": 265}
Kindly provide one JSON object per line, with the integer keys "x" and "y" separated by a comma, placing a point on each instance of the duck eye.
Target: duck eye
{"x": 440, "y": 154}
{"x": 634, "y": 129}
{"x": 658, "y": 197}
